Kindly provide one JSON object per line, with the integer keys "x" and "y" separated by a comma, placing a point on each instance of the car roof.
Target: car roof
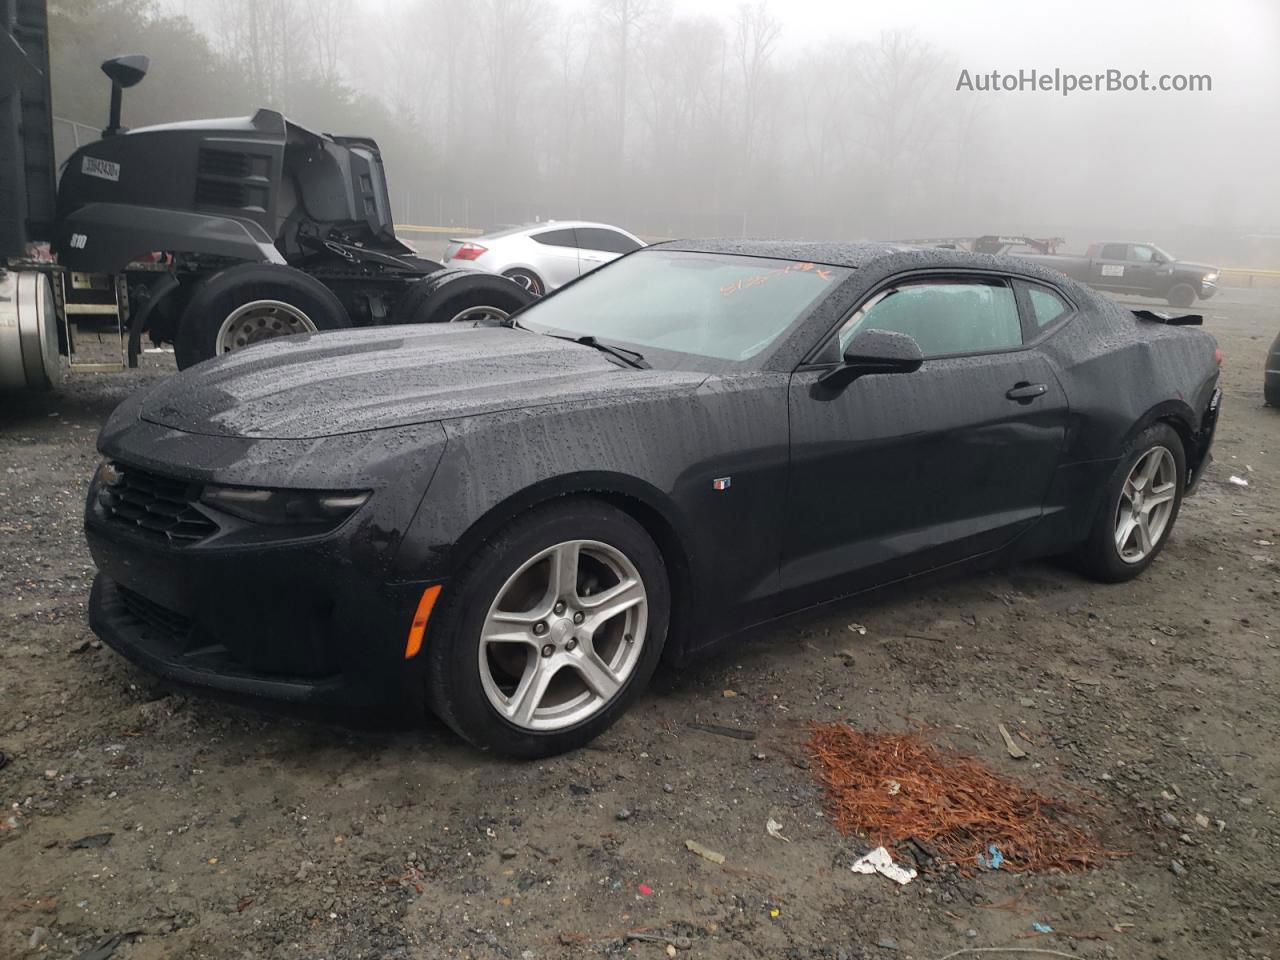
{"x": 887, "y": 258}
{"x": 836, "y": 254}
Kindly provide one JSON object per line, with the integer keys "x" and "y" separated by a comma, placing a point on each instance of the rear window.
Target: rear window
{"x": 1046, "y": 306}
{"x": 557, "y": 238}
{"x": 1114, "y": 251}
{"x": 610, "y": 241}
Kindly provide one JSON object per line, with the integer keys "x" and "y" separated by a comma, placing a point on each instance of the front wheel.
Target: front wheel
{"x": 1182, "y": 295}
{"x": 1139, "y": 507}
{"x": 550, "y": 632}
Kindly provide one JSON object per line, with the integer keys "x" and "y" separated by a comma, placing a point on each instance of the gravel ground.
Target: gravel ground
{"x": 200, "y": 829}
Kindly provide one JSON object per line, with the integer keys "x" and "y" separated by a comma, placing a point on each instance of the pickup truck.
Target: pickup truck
{"x": 1137, "y": 268}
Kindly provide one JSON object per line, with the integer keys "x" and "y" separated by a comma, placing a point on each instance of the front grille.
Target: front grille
{"x": 220, "y": 193}
{"x": 161, "y": 507}
{"x": 224, "y": 163}
{"x": 151, "y": 614}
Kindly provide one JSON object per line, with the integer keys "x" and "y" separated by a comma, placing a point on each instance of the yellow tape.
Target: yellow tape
{"x": 456, "y": 231}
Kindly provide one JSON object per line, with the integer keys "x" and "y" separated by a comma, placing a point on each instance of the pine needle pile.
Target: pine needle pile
{"x": 899, "y": 791}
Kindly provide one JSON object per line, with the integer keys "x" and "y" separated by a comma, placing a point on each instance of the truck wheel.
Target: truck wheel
{"x": 457, "y": 296}
{"x": 250, "y": 303}
{"x": 1182, "y": 295}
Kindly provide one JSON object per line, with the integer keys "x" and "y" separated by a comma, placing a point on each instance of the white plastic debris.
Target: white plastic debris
{"x": 879, "y": 861}
{"x": 1238, "y": 481}
{"x": 858, "y": 628}
{"x": 775, "y": 830}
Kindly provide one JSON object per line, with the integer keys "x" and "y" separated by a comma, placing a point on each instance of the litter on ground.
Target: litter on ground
{"x": 706, "y": 853}
{"x": 879, "y": 861}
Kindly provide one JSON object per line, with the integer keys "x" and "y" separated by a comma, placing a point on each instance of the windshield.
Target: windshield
{"x": 708, "y": 305}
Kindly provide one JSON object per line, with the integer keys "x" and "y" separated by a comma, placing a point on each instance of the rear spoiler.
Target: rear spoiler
{"x": 1186, "y": 320}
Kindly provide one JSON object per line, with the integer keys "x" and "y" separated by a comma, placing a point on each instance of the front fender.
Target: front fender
{"x": 104, "y": 237}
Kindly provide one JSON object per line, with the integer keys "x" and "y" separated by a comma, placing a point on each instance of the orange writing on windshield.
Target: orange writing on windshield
{"x": 759, "y": 279}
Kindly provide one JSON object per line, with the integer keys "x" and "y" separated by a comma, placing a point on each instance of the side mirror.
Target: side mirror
{"x": 123, "y": 72}
{"x": 875, "y": 351}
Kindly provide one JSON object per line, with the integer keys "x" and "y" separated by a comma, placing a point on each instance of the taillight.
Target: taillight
{"x": 1217, "y": 356}
{"x": 470, "y": 251}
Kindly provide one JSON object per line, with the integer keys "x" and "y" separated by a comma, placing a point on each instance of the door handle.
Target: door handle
{"x": 1026, "y": 392}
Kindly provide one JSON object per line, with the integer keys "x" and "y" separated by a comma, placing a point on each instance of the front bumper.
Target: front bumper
{"x": 246, "y": 626}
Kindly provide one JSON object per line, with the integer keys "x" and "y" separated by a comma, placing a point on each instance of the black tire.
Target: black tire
{"x": 1271, "y": 390}
{"x": 1181, "y": 295}
{"x": 221, "y": 295}
{"x": 527, "y": 279}
{"x": 455, "y": 688}
{"x": 1099, "y": 557}
{"x": 442, "y": 296}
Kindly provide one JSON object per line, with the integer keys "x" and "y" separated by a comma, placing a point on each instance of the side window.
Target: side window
{"x": 610, "y": 241}
{"x": 944, "y": 317}
{"x": 1113, "y": 251}
{"x": 1046, "y": 306}
{"x": 1141, "y": 254}
{"x": 556, "y": 238}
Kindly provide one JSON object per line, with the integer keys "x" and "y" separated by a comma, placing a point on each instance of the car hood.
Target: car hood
{"x": 333, "y": 383}
{"x": 1193, "y": 267}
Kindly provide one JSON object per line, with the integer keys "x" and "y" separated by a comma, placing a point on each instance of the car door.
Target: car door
{"x": 555, "y": 256}
{"x": 1142, "y": 268}
{"x": 896, "y": 474}
{"x": 598, "y": 245}
{"x": 1110, "y": 267}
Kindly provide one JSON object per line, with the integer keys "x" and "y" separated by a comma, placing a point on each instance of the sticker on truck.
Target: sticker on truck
{"x": 1113, "y": 270}
{"x": 104, "y": 169}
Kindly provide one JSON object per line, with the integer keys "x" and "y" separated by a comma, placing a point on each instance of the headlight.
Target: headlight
{"x": 1211, "y": 277}
{"x": 284, "y": 507}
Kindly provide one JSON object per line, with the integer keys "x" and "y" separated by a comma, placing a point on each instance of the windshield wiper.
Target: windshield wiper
{"x": 630, "y": 357}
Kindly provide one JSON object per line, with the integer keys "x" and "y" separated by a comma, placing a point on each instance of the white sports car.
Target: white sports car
{"x": 543, "y": 256}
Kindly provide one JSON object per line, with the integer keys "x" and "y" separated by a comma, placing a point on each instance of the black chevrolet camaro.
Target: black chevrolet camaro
{"x": 515, "y": 523}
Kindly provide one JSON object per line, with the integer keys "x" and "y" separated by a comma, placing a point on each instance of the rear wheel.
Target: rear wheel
{"x": 251, "y": 303}
{"x": 527, "y": 279}
{"x": 550, "y": 632}
{"x": 1139, "y": 507}
{"x": 1182, "y": 295}
{"x": 460, "y": 296}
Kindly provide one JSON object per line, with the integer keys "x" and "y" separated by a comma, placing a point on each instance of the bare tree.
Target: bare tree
{"x": 623, "y": 20}
{"x": 756, "y": 33}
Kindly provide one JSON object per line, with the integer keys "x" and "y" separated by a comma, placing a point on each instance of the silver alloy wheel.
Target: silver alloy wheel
{"x": 260, "y": 320}
{"x": 477, "y": 314}
{"x": 563, "y": 635}
{"x": 1146, "y": 504}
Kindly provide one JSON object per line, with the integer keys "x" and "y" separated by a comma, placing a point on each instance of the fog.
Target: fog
{"x": 797, "y": 118}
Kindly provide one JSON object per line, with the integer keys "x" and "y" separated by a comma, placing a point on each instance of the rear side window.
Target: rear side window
{"x": 610, "y": 241}
{"x": 944, "y": 317}
{"x": 1046, "y": 306}
{"x": 557, "y": 238}
{"x": 1114, "y": 251}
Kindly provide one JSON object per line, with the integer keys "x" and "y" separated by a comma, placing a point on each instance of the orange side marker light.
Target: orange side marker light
{"x": 420, "y": 618}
